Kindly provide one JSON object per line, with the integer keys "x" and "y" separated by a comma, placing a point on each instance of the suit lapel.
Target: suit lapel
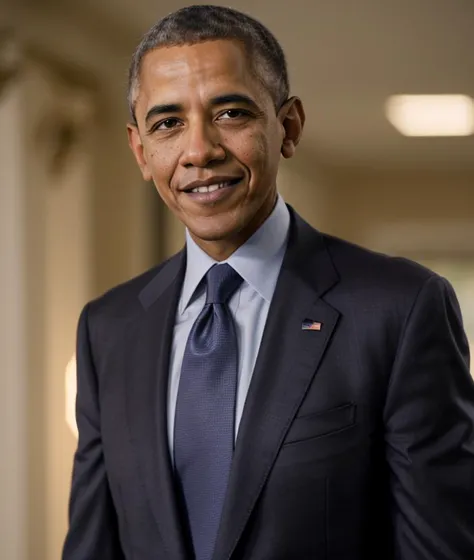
{"x": 286, "y": 364}
{"x": 147, "y": 391}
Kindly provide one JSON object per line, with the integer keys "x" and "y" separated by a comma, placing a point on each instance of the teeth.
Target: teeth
{"x": 210, "y": 188}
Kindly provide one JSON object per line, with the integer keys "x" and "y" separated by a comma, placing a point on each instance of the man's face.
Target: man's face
{"x": 209, "y": 137}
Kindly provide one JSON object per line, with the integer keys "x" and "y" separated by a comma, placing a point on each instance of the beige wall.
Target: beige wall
{"x": 13, "y": 331}
{"x": 357, "y": 204}
{"x": 64, "y": 242}
{"x": 48, "y": 263}
{"x": 360, "y": 202}
{"x": 120, "y": 201}
{"x": 306, "y": 192}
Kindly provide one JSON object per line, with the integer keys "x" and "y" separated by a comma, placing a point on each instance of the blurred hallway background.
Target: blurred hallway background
{"x": 76, "y": 218}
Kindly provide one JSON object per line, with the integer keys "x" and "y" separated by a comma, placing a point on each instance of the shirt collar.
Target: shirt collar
{"x": 258, "y": 260}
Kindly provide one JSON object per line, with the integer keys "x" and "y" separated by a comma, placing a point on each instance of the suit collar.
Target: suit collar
{"x": 168, "y": 272}
{"x": 308, "y": 258}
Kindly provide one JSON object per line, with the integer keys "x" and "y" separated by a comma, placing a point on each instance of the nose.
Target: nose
{"x": 201, "y": 146}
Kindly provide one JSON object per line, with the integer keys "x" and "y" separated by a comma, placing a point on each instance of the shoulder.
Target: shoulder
{"x": 383, "y": 285}
{"x": 366, "y": 279}
{"x": 358, "y": 264}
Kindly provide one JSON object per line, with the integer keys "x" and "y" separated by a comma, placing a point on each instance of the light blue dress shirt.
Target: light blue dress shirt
{"x": 258, "y": 261}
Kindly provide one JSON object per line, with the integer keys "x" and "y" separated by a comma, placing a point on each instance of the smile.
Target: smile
{"x": 214, "y": 187}
{"x": 214, "y": 192}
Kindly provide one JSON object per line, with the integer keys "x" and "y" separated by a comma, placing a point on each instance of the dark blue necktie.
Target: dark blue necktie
{"x": 205, "y": 411}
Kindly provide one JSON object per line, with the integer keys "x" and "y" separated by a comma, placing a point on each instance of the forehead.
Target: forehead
{"x": 203, "y": 68}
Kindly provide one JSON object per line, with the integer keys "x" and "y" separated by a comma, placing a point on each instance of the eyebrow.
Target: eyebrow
{"x": 233, "y": 98}
{"x": 225, "y": 99}
{"x": 157, "y": 110}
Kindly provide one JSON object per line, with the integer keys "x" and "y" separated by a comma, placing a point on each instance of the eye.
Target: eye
{"x": 231, "y": 114}
{"x": 167, "y": 124}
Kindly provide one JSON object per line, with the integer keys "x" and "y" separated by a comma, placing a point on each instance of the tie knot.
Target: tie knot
{"x": 222, "y": 282}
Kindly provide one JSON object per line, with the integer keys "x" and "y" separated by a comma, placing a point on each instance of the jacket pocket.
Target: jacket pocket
{"x": 320, "y": 424}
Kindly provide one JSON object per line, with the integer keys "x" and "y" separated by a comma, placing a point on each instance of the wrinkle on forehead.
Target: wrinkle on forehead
{"x": 196, "y": 69}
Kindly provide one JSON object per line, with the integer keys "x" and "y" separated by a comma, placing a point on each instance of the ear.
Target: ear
{"x": 136, "y": 145}
{"x": 292, "y": 118}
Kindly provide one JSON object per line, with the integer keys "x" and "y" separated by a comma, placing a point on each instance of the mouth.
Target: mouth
{"x": 211, "y": 185}
{"x": 213, "y": 191}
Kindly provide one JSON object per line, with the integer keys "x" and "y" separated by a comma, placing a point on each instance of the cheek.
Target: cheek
{"x": 264, "y": 158}
{"x": 253, "y": 150}
{"x": 161, "y": 163}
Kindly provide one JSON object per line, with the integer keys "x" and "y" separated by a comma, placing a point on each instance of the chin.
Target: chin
{"x": 210, "y": 235}
{"x": 218, "y": 230}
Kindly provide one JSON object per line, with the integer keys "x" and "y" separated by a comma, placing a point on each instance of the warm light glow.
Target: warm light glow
{"x": 71, "y": 387}
{"x": 431, "y": 115}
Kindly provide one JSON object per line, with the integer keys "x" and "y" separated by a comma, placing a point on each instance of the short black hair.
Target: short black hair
{"x": 196, "y": 24}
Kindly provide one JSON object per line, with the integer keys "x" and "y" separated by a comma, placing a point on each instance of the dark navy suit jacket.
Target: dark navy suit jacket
{"x": 356, "y": 442}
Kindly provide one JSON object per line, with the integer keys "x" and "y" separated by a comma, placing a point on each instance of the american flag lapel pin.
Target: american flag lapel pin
{"x": 309, "y": 325}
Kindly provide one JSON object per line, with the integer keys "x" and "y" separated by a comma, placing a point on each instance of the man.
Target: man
{"x": 271, "y": 392}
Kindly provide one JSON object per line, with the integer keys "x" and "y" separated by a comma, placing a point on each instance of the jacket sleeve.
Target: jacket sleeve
{"x": 93, "y": 531}
{"x": 429, "y": 419}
